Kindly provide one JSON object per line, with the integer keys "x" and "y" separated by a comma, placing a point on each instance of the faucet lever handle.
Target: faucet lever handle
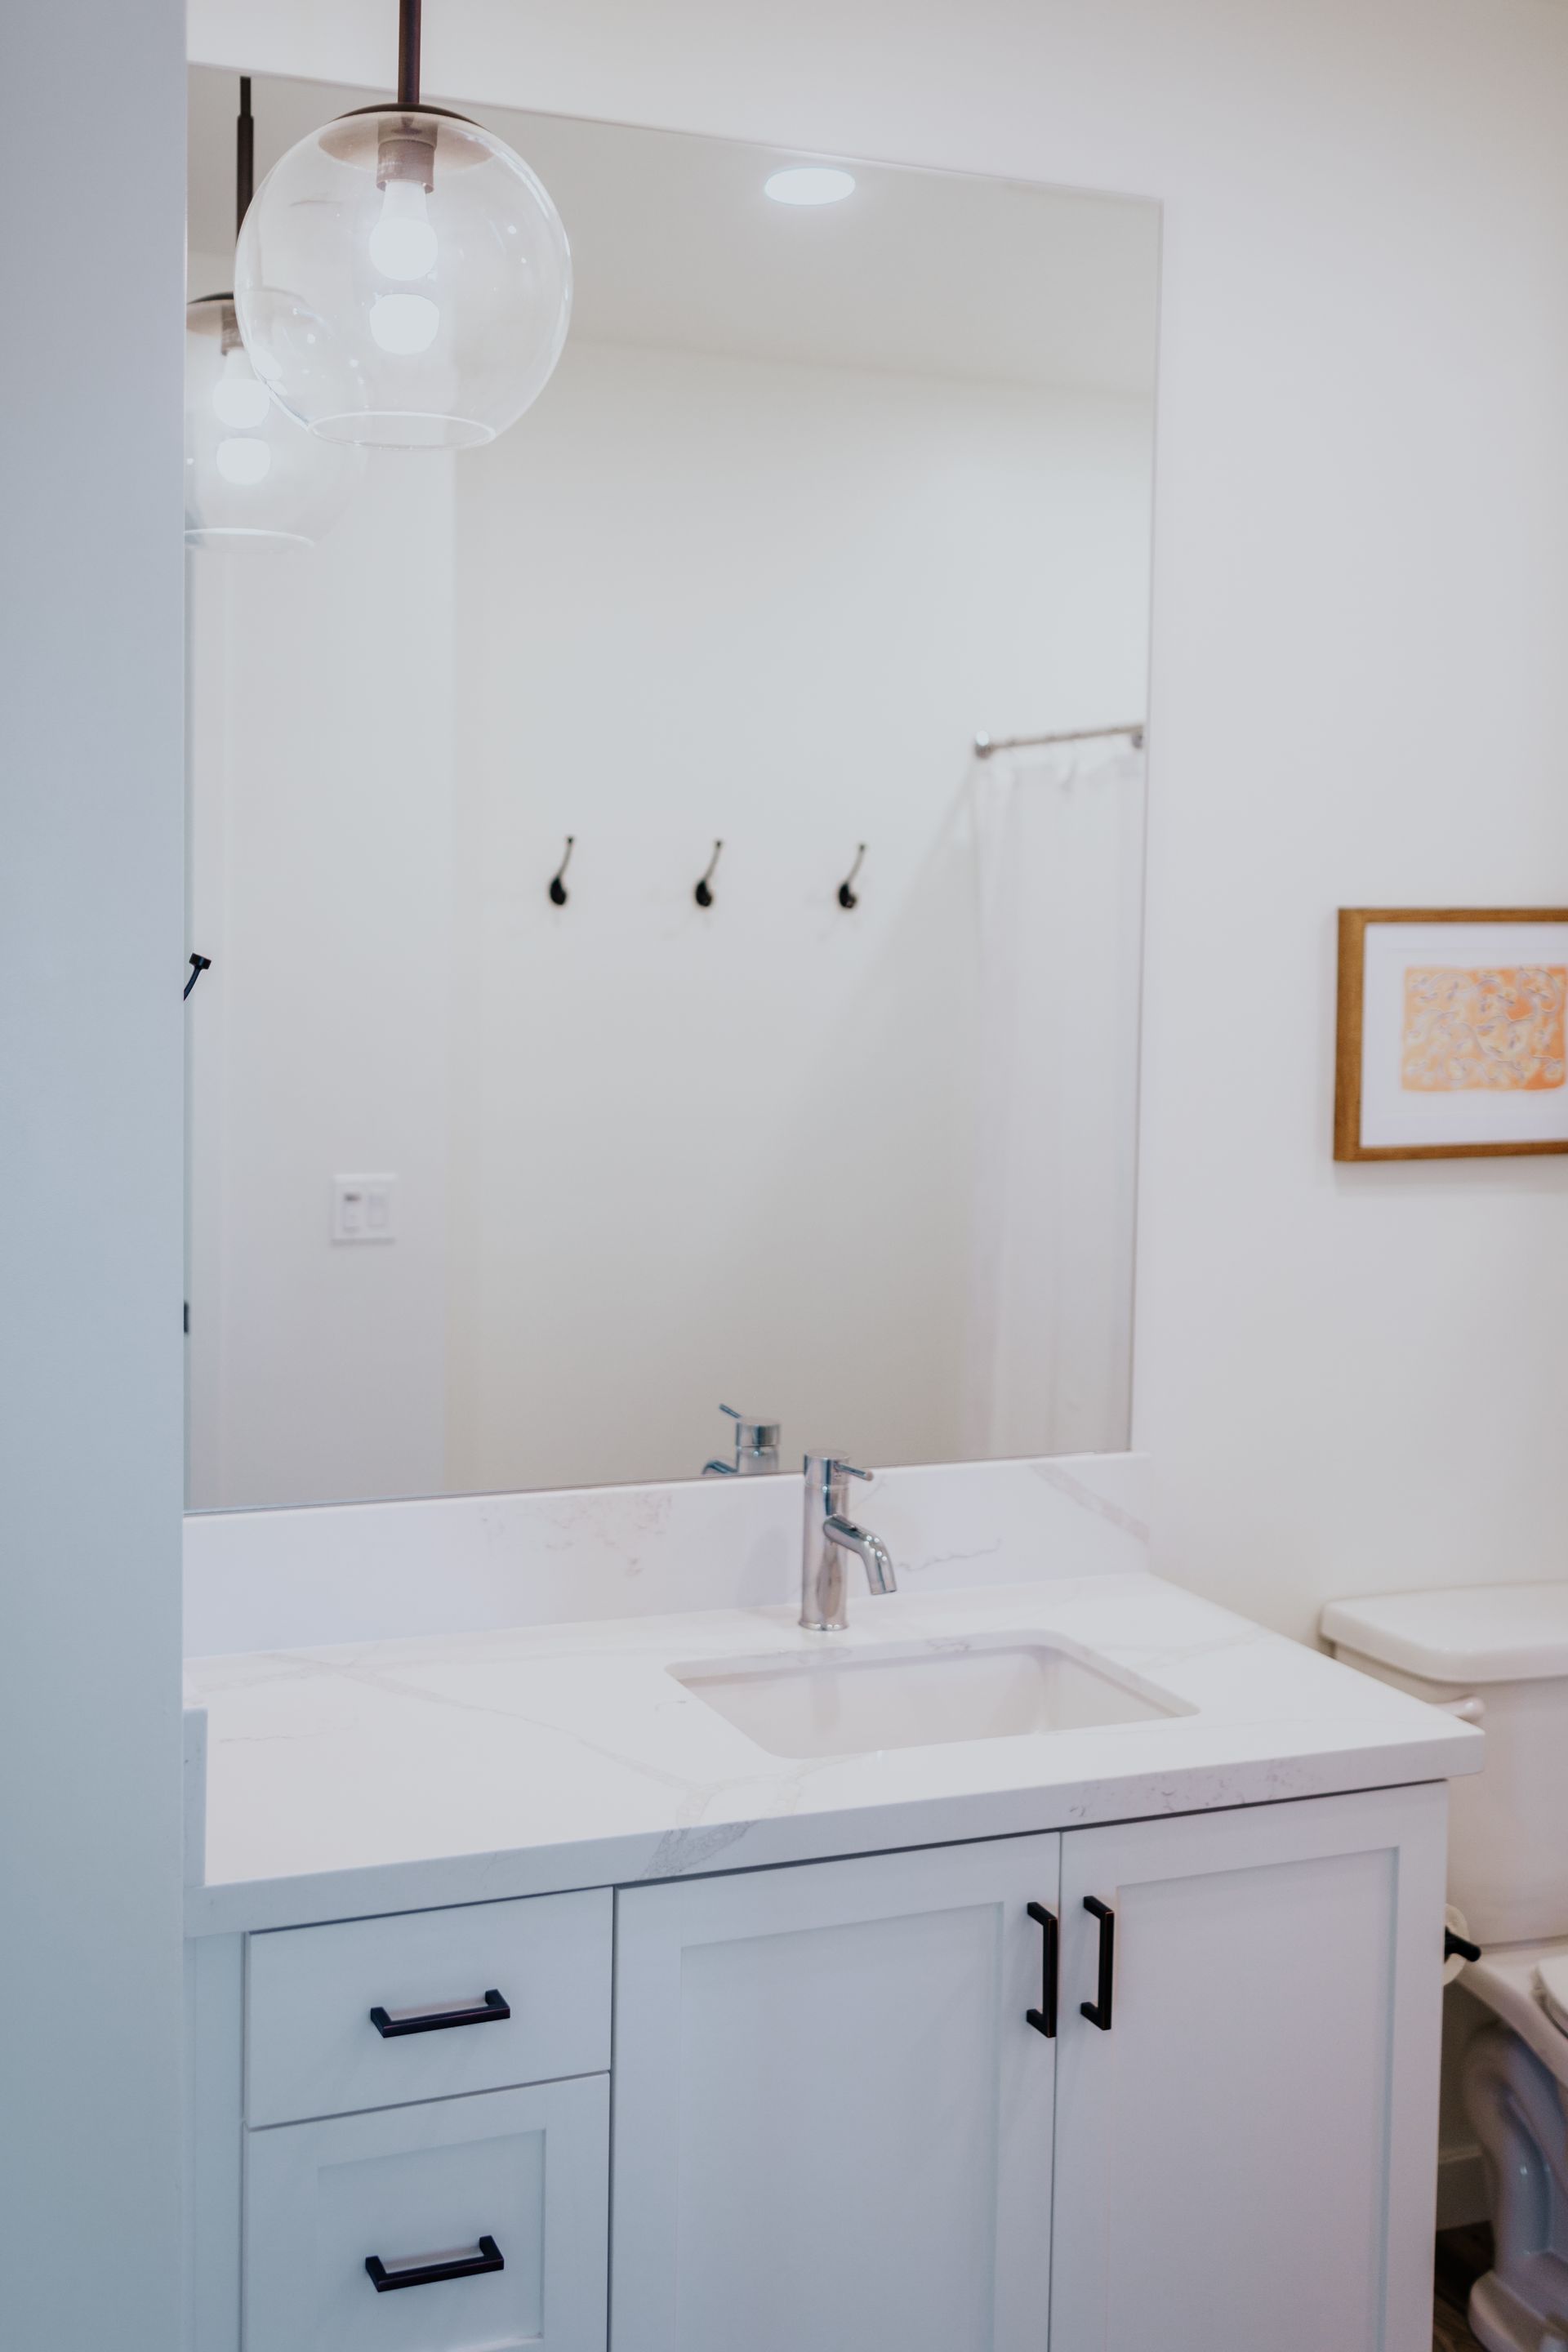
{"x": 752, "y": 1434}
{"x": 828, "y": 1467}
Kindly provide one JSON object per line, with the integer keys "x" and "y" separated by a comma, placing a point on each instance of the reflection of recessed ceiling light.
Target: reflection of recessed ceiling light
{"x": 810, "y": 184}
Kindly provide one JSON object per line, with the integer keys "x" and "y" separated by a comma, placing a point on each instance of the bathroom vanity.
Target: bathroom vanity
{"x": 677, "y": 1979}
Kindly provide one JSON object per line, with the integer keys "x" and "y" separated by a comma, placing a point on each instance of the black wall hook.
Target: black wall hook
{"x": 198, "y": 965}
{"x": 702, "y": 894}
{"x": 848, "y": 897}
{"x": 559, "y": 894}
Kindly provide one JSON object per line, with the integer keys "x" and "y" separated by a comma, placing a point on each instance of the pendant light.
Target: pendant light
{"x": 403, "y": 279}
{"x": 251, "y": 471}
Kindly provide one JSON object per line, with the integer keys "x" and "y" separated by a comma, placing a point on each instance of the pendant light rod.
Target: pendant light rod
{"x": 408, "y": 12}
{"x": 244, "y": 156}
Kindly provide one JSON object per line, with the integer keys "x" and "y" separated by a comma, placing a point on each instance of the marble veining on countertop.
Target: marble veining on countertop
{"x": 393, "y": 1775}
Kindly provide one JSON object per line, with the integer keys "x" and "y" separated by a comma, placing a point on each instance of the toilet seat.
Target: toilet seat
{"x": 1527, "y": 1986}
{"x": 1552, "y": 1984}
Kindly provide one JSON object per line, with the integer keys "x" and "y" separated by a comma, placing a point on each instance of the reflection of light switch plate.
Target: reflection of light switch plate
{"x": 362, "y": 1208}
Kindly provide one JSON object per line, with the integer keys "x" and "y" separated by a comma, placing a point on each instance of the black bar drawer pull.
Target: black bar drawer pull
{"x": 1098, "y": 2011}
{"x": 390, "y": 2022}
{"x": 428, "y": 2270}
{"x": 1044, "y": 2019}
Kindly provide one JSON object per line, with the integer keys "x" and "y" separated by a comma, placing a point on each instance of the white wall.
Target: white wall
{"x": 1354, "y": 1378}
{"x": 91, "y": 920}
{"x": 321, "y": 751}
{"x": 728, "y": 1154}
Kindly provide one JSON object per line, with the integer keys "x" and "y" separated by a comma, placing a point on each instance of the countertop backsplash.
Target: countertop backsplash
{"x": 273, "y": 1579}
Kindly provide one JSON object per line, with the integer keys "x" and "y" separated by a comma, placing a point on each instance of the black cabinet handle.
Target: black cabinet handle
{"x": 1459, "y": 1944}
{"x": 390, "y": 2022}
{"x": 486, "y": 2257}
{"x": 1044, "y": 2019}
{"x": 1098, "y": 2011}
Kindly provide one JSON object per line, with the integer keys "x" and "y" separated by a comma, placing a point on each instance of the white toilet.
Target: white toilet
{"x": 1498, "y": 1656}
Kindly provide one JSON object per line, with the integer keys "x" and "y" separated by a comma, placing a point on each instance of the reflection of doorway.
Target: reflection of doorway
{"x": 319, "y": 844}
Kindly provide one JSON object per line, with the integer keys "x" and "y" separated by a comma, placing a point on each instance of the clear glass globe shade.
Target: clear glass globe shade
{"x": 251, "y": 473}
{"x": 404, "y": 281}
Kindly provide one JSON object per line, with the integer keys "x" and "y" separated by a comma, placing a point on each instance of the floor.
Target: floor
{"x": 1462, "y": 2256}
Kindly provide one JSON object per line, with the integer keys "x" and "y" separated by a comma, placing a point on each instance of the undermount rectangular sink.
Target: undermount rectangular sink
{"x": 912, "y": 1696}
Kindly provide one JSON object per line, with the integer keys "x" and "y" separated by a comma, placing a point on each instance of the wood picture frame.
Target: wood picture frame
{"x": 1521, "y": 1085}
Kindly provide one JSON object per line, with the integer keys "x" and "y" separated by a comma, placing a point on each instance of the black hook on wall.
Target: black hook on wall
{"x": 559, "y": 894}
{"x": 198, "y": 965}
{"x": 849, "y": 897}
{"x": 703, "y": 894}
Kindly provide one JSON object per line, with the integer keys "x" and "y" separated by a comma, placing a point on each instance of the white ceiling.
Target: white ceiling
{"x": 674, "y": 243}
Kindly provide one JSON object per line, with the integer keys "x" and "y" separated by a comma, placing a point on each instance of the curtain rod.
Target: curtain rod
{"x": 985, "y": 744}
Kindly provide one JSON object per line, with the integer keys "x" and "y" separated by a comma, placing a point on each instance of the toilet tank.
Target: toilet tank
{"x": 1496, "y": 1655}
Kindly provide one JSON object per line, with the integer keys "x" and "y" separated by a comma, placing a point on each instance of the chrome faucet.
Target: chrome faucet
{"x": 829, "y": 1534}
{"x": 756, "y": 1448}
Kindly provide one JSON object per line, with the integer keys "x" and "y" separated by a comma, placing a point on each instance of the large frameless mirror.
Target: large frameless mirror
{"x": 630, "y": 991}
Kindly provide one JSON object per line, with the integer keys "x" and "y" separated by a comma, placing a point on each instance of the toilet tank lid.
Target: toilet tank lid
{"x": 1476, "y": 1633}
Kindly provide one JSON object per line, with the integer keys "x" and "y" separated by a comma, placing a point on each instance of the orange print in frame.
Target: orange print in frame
{"x": 1453, "y": 1032}
{"x": 1499, "y": 1028}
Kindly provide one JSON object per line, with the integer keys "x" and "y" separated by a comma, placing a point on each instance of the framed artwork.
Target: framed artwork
{"x": 1451, "y": 1043}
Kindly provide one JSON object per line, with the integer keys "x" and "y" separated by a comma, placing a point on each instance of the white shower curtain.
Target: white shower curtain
{"x": 1058, "y": 851}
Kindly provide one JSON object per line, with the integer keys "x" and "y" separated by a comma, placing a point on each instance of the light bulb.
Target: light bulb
{"x": 238, "y": 400}
{"x": 810, "y": 184}
{"x": 403, "y": 324}
{"x": 403, "y": 242}
{"x": 244, "y": 462}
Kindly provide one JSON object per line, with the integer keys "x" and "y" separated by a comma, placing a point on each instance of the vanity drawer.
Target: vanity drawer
{"x": 313, "y": 2048}
{"x": 417, "y": 2190}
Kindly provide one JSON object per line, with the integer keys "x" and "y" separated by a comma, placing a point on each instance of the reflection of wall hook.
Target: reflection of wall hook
{"x": 559, "y": 894}
{"x": 198, "y": 965}
{"x": 848, "y": 897}
{"x": 702, "y": 894}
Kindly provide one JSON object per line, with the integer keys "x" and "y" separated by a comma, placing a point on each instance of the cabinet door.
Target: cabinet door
{"x": 832, "y": 2122}
{"x": 1248, "y": 2155}
{"x": 418, "y": 2189}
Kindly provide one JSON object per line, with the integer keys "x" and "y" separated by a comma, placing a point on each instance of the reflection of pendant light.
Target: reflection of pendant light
{"x": 250, "y": 472}
{"x": 403, "y": 279}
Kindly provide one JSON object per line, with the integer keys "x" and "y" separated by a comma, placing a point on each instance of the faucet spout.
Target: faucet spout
{"x": 868, "y": 1549}
{"x": 829, "y": 1533}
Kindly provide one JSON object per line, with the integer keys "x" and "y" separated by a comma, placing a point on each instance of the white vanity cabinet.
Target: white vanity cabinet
{"x": 835, "y": 2125}
{"x": 1166, "y": 2082}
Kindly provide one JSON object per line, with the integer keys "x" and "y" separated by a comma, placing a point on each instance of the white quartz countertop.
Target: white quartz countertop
{"x": 396, "y": 1775}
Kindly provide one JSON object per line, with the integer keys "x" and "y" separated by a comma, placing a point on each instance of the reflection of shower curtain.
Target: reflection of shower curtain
{"x": 1059, "y": 843}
